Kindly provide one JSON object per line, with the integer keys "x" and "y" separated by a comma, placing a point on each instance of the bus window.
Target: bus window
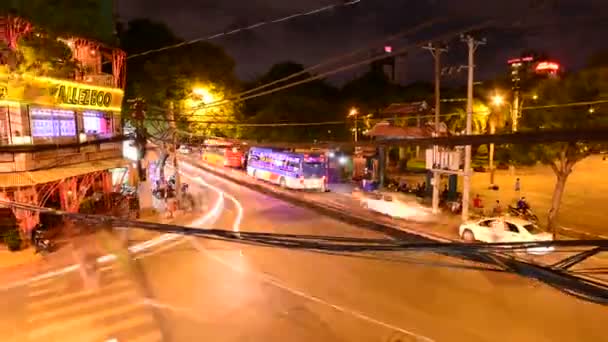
{"x": 313, "y": 169}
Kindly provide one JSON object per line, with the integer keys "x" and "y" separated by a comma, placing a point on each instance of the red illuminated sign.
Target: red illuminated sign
{"x": 547, "y": 66}
{"x": 520, "y": 60}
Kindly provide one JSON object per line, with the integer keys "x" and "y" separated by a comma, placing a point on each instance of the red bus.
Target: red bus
{"x": 223, "y": 153}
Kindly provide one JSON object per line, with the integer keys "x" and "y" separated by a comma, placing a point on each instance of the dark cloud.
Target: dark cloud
{"x": 569, "y": 30}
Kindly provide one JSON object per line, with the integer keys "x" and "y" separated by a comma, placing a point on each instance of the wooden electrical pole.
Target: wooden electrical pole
{"x": 436, "y": 51}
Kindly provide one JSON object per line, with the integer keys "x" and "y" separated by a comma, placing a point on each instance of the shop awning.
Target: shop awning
{"x": 30, "y": 178}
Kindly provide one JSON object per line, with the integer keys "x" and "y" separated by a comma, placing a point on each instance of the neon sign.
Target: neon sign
{"x": 83, "y": 96}
{"x": 547, "y": 66}
{"x": 47, "y": 91}
{"x": 520, "y": 60}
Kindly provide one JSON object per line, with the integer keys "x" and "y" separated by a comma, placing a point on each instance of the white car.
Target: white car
{"x": 184, "y": 149}
{"x": 513, "y": 230}
{"x": 392, "y": 204}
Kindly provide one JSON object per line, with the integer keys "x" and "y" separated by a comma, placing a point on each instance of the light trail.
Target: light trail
{"x": 236, "y": 226}
{"x": 146, "y": 245}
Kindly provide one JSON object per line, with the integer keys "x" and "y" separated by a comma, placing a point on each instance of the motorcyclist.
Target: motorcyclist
{"x": 522, "y": 204}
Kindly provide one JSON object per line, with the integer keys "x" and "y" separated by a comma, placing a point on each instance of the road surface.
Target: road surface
{"x": 204, "y": 290}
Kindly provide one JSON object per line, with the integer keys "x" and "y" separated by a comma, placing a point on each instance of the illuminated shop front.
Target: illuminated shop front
{"x": 38, "y": 110}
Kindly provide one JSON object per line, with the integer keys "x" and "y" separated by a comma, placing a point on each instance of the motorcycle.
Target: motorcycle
{"x": 42, "y": 245}
{"x": 526, "y": 213}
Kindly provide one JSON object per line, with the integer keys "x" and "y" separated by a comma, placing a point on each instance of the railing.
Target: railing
{"x": 104, "y": 80}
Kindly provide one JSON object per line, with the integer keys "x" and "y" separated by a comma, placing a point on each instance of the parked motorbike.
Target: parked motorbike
{"x": 526, "y": 214}
{"x": 42, "y": 245}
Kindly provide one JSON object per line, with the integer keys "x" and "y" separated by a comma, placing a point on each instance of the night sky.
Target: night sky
{"x": 568, "y": 30}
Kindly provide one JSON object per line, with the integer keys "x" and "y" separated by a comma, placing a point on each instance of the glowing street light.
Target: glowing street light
{"x": 498, "y": 100}
{"x": 353, "y": 113}
{"x": 204, "y": 94}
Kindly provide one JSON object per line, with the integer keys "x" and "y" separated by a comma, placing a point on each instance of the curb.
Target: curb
{"x": 326, "y": 208}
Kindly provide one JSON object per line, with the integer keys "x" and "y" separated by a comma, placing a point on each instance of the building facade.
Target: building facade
{"x": 60, "y": 138}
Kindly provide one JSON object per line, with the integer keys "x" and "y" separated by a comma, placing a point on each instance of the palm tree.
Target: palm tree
{"x": 479, "y": 121}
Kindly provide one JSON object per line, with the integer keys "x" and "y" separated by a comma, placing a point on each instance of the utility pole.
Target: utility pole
{"x": 175, "y": 142}
{"x": 515, "y": 109}
{"x": 356, "y": 126}
{"x": 436, "y": 52}
{"x": 472, "y": 45}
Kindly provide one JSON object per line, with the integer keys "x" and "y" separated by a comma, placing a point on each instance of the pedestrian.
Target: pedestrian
{"x": 477, "y": 204}
{"x": 497, "y": 208}
{"x": 517, "y": 185}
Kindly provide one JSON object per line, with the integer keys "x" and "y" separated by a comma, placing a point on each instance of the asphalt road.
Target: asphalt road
{"x": 221, "y": 291}
{"x": 205, "y": 290}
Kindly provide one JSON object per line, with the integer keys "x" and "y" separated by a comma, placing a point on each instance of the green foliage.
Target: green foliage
{"x": 371, "y": 92}
{"x": 456, "y": 122}
{"x": 83, "y": 18}
{"x": 311, "y": 102}
{"x": 587, "y": 85}
{"x": 12, "y": 239}
{"x": 171, "y": 76}
{"x": 599, "y": 59}
{"x": 45, "y": 55}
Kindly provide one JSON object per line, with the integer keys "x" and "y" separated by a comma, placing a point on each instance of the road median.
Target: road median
{"x": 349, "y": 214}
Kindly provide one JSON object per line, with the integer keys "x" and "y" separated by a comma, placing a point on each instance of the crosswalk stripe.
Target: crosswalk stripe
{"x": 90, "y": 320}
{"x": 49, "y": 313}
{"x": 121, "y": 284}
{"x": 58, "y": 286}
{"x": 59, "y": 309}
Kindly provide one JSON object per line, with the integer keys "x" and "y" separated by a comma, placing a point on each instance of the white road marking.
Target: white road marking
{"x": 180, "y": 240}
{"x": 70, "y": 325}
{"x": 275, "y": 282}
{"x": 117, "y": 285}
{"x": 48, "y": 313}
{"x": 209, "y": 216}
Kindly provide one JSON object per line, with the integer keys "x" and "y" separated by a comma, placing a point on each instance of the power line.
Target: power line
{"x": 349, "y": 54}
{"x": 570, "y": 104}
{"x": 343, "y": 68}
{"x": 250, "y": 27}
{"x": 285, "y": 124}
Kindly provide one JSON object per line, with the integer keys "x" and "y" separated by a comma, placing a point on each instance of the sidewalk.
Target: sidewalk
{"x": 15, "y": 266}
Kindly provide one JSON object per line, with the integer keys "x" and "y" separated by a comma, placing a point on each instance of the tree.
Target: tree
{"x": 307, "y": 103}
{"x": 372, "y": 91}
{"x": 170, "y": 76}
{"x": 84, "y": 18}
{"x": 456, "y": 121}
{"x": 587, "y": 85}
{"x": 45, "y": 55}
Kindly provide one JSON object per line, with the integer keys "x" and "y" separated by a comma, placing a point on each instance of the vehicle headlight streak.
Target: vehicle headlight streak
{"x": 236, "y": 226}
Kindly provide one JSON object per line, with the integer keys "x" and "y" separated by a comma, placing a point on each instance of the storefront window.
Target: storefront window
{"x": 50, "y": 123}
{"x": 97, "y": 123}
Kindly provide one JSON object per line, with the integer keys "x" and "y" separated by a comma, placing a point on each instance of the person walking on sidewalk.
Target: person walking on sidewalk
{"x": 517, "y": 185}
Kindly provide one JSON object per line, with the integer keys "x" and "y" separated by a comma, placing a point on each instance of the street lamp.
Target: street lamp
{"x": 354, "y": 113}
{"x": 204, "y": 94}
{"x": 497, "y": 100}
